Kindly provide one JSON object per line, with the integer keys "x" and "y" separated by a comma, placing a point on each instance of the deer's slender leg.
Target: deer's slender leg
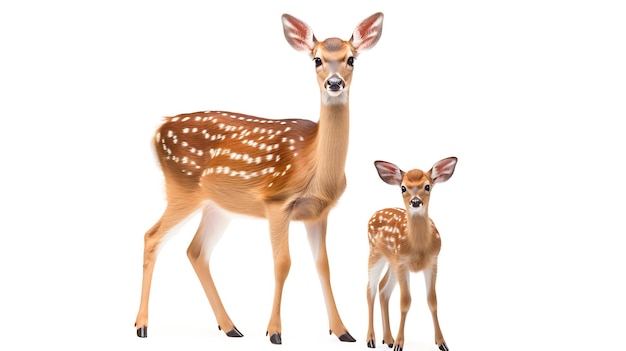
{"x": 405, "y": 304}
{"x": 212, "y": 225}
{"x": 279, "y": 237}
{"x": 167, "y": 224}
{"x": 376, "y": 265}
{"x": 385, "y": 288}
{"x": 430, "y": 277}
{"x": 316, "y": 233}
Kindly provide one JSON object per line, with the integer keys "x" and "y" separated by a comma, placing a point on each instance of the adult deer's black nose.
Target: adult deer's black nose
{"x": 334, "y": 83}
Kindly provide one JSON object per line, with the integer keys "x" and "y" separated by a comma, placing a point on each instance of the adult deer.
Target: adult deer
{"x": 224, "y": 163}
{"x": 408, "y": 241}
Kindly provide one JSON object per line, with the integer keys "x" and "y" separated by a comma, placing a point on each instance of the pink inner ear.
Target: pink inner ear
{"x": 368, "y": 32}
{"x": 389, "y": 172}
{"x": 298, "y": 34}
{"x": 443, "y": 170}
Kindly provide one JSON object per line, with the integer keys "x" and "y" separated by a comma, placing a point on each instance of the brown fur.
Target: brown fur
{"x": 282, "y": 170}
{"x": 408, "y": 241}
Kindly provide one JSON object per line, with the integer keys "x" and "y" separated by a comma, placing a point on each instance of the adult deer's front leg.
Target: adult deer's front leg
{"x": 316, "y": 233}
{"x": 212, "y": 225}
{"x": 430, "y": 276}
{"x": 279, "y": 236}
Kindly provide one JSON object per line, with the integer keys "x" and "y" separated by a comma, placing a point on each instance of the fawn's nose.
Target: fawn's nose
{"x": 334, "y": 83}
{"x": 415, "y": 202}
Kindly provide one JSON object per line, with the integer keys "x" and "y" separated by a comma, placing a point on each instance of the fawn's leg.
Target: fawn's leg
{"x": 430, "y": 276}
{"x": 405, "y": 304}
{"x": 385, "y": 288}
{"x": 376, "y": 265}
{"x": 212, "y": 225}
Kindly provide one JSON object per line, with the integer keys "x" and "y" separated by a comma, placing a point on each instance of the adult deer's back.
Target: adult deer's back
{"x": 224, "y": 163}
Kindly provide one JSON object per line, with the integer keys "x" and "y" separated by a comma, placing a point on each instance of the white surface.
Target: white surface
{"x": 530, "y": 96}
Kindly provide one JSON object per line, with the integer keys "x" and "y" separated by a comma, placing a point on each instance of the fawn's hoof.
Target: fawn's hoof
{"x": 398, "y": 348}
{"x": 346, "y": 337}
{"x": 276, "y": 339}
{"x": 370, "y": 344}
{"x": 142, "y": 332}
{"x": 390, "y": 345}
{"x": 443, "y": 347}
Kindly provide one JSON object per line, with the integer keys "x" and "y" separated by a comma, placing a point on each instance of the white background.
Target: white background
{"x": 529, "y": 95}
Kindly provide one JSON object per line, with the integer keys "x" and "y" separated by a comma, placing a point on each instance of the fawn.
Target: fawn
{"x": 408, "y": 241}
{"x": 223, "y": 163}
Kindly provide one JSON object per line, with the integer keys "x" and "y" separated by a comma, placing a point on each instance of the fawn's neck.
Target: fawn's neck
{"x": 419, "y": 230}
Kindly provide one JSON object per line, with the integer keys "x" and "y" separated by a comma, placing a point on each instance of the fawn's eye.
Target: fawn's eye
{"x": 318, "y": 61}
{"x": 351, "y": 61}
{"x": 403, "y": 188}
{"x": 427, "y": 187}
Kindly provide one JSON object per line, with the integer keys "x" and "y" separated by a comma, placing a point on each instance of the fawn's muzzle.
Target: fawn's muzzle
{"x": 415, "y": 202}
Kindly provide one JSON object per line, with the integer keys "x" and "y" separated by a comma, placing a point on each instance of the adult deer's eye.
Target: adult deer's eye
{"x": 427, "y": 187}
{"x": 403, "y": 189}
{"x": 351, "y": 61}
{"x": 318, "y": 61}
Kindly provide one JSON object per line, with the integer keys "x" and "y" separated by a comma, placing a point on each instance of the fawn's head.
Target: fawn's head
{"x": 416, "y": 185}
{"x": 333, "y": 58}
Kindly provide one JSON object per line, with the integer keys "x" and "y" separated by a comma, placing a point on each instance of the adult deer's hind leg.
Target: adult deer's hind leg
{"x": 171, "y": 218}
{"x": 316, "y": 233}
{"x": 212, "y": 225}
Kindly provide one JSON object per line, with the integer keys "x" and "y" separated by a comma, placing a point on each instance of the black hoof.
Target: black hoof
{"x": 390, "y": 345}
{"x": 398, "y": 348}
{"x": 346, "y": 337}
{"x": 275, "y": 339}
{"x": 443, "y": 347}
{"x": 142, "y": 332}
{"x": 234, "y": 333}
{"x": 370, "y": 344}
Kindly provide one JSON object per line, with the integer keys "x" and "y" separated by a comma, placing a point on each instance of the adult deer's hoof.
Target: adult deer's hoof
{"x": 370, "y": 344}
{"x": 234, "y": 333}
{"x": 346, "y": 337}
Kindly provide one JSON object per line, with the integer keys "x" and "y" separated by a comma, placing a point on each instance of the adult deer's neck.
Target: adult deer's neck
{"x": 332, "y": 147}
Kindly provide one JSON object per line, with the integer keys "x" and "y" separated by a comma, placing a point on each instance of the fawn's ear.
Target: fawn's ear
{"x": 443, "y": 170}
{"x": 298, "y": 34}
{"x": 367, "y": 33}
{"x": 389, "y": 172}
